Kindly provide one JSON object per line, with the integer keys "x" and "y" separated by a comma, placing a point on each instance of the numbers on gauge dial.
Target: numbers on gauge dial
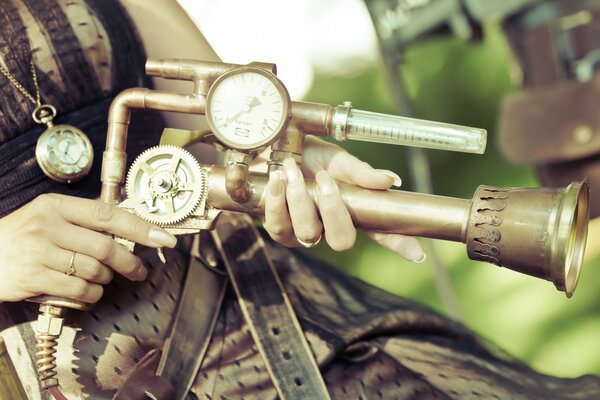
{"x": 247, "y": 109}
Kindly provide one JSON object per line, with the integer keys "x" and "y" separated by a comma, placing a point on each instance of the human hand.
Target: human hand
{"x": 40, "y": 239}
{"x": 291, "y": 217}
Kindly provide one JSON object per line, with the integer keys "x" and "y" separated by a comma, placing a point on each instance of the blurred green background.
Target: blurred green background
{"x": 453, "y": 81}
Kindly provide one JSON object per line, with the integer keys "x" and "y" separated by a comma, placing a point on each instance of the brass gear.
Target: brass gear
{"x": 165, "y": 184}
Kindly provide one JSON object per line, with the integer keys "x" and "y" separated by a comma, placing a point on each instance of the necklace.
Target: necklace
{"x": 63, "y": 152}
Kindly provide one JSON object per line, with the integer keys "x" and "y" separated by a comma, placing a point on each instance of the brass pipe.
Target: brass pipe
{"x": 115, "y": 158}
{"x": 537, "y": 231}
{"x": 202, "y": 73}
{"x": 391, "y": 211}
{"x": 186, "y": 69}
{"x": 312, "y": 118}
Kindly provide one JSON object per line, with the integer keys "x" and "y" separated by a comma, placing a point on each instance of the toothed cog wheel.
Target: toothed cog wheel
{"x": 165, "y": 184}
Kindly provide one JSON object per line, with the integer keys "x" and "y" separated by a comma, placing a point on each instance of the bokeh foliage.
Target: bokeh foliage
{"x": 453, "y": 81}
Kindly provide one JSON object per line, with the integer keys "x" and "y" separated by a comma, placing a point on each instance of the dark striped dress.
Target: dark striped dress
{"x": 85, "y": 52}
{"x": 368, "y": 343}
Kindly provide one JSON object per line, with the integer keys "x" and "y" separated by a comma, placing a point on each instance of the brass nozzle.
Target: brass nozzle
{"x": 539, "y": 232}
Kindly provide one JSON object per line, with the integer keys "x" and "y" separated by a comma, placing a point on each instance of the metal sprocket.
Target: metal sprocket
{"x": 165, "y": 184}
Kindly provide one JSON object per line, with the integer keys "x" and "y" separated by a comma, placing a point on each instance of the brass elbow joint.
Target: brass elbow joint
{"x": 238, "y": 186}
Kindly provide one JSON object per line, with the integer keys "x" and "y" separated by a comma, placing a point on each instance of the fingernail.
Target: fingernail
{"x": 162, "y": 238}
{"x": 421, "y": 260}
{"x": 292, "y": 173}
{"x": 325, "y": 184}
{"x": 397, "y": 180}
{"x": 275, "y": 183}
{"x": 141, "y": 274}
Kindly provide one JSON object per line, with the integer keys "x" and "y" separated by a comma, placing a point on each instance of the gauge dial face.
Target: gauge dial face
{"x": 247, "y": 108}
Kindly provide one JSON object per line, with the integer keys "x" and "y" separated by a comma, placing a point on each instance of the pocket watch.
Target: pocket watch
{"x": 63, "y": 152}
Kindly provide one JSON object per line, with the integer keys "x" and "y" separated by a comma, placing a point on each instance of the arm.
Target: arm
{"x": 167, "y": 31}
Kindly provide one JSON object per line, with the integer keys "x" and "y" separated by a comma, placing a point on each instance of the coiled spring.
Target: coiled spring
{"x": 45, "y": 359}
{"x": 48, "y": 329}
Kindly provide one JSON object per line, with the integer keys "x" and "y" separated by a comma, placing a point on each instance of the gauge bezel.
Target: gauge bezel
{"x": 281, "y": 90}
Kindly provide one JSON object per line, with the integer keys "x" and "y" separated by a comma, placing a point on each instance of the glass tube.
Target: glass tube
{"x": 391, "y": 129}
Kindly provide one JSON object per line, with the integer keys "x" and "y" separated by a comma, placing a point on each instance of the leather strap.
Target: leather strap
{"x": 267, "y": 310}
{"x": 194, "y": 323}
{"x": 143, "y": 384}
{"x": 170, "y": 376}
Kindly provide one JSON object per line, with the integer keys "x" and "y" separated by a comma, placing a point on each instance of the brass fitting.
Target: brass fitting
{"x": 50, "y": 319}
{"x": 237, "y": 184}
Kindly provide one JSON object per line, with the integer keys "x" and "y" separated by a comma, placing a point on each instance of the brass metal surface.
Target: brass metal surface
{"x": 391, "y": 211}
{"x": 540, "y": 232}
{"x": 56, "y": 301}
{"x": 48, "y": 328}
{"x": 113, "y": 168}
{"x": 537, "y": 231}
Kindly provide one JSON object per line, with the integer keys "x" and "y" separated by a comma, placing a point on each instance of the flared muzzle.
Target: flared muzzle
{"x": 539, "y": 232}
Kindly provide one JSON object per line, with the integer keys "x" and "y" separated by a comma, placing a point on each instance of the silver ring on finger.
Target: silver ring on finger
{"x": 310, "y": 243}
{"x": 71, "y": 267}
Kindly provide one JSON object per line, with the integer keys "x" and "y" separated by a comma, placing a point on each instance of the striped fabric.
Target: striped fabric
{"x": 72, "y": 51}
{"x": 85, "y": 52}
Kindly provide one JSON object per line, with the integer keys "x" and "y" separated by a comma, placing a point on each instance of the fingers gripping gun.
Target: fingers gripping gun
{"x": 540, "y": 232}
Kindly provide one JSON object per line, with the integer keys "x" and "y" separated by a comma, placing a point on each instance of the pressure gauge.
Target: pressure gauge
{"x": 247, "y": 108}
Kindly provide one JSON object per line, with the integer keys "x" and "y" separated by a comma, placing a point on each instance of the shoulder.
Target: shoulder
{"x": 167, "y": 30}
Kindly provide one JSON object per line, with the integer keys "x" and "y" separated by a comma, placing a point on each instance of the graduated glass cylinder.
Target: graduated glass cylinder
{"x": 391, "y": 129}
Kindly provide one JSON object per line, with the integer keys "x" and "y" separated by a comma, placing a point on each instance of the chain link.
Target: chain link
{"x": 18, "y": 85}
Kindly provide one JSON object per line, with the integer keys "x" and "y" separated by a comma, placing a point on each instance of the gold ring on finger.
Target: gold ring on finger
{"x": 310, "y": 243}
{"x": 71, "y": 268}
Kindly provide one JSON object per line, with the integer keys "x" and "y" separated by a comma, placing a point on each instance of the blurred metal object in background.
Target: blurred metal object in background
{"x": 553, "y": 123}
{"x": 485, "y": 9}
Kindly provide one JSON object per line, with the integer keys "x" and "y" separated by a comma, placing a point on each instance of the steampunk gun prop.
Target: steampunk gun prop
{"x": 536, "y": 231}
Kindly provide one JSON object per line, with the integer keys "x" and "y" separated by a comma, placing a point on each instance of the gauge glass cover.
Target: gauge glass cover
{"x": 247, "y": 108}
{"x": 64, "y": 153}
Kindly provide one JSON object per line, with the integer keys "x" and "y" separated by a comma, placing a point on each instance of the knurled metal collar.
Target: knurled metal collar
{"x": 339, "y": 121}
